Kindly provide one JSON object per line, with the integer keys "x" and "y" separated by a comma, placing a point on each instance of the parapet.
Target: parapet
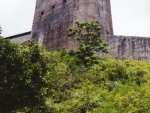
{"x": 22, "y": 38}
{"x": 129, "y": 47}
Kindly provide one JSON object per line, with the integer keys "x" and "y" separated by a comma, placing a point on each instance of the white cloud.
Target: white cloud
{"x": 131, "y": 17}
{"x": 16, "y": 16}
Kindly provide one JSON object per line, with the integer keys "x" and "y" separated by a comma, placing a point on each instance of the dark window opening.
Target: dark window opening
{"x": 42, "y": 13}
{"x": 53, "y": 7}
{"x": 77, "y": 7}
{"x": 64, "y": 1}
{"x": 107, "y": 32}
{"x": 102, "y": 8}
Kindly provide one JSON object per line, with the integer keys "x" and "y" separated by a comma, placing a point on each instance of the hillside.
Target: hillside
{"x": 33, "y": 80}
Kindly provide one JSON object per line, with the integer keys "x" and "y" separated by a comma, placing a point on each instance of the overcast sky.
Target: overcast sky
{"x": 130, "y": 17}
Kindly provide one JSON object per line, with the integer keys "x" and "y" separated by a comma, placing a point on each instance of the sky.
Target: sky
{"x": 130, "y": 17}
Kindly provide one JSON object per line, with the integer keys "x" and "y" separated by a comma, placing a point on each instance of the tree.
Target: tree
{"x": 22, "y": 72}
{"x": 90, "y": 41}
{"x": 0, "y": 31}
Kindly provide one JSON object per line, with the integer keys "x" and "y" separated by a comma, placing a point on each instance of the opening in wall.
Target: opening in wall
{"x": 64, "y": 1}
{"x": 42, "y": 13}
{"x": 53, "y": 7}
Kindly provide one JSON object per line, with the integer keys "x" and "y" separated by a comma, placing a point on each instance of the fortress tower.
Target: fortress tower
{"x": 53, "y": 17}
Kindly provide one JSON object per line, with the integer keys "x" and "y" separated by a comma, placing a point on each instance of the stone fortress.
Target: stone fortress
{"x": 53, "y": 17}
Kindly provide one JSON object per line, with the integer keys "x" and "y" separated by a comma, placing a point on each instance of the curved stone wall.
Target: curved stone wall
{"x": 53, "y": 18}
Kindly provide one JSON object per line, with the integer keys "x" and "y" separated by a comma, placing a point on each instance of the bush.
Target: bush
{"x": 33, "y": 80}
{"x": 22, "y": 76}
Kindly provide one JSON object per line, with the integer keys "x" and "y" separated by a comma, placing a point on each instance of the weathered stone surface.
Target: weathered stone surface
{"x": 53, "y": 18}
{"x": 20, "y": 38}
{"x": 128, "y": 47}
{"x": 121, "y": 47}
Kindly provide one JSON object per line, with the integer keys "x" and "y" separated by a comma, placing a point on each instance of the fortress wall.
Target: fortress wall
{"x": 128, "y": 47}
{"x": 21, "y": 38}
{"x": 121, "y": 47}
{"x": 53, "y": 18}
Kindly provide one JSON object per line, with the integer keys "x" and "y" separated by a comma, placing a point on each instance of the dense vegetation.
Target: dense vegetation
{"x": 0, "y": 30}
{"x": 90, "y": 41}
{"x": 33, "y": 80}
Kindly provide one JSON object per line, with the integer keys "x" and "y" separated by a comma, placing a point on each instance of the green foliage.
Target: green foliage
{"x": 110, "y": 86}
{"x": 22, "y": 70}
{"x": 0, "y": 30}
{"x": 90, "y": 41}
{"x": 35, "y": 81}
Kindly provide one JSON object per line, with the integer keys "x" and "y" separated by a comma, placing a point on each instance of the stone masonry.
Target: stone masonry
{"x": 53, "y": 17}
{"x": 22, "y": 38}
{"x": 129, "y": 47}
{"x": 121, "y": 47}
